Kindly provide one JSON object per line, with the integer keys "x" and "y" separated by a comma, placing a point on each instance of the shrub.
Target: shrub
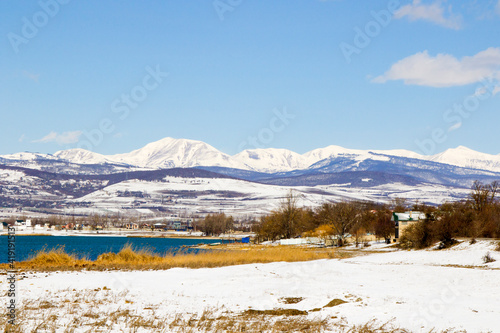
{"x": 488, "y": 258}
{"x": 444, "y": 244}
{"x": 417, "y": 236}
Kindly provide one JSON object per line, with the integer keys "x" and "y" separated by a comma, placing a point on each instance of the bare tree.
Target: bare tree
{"x": 399, "y": 204}
{"x": 287, "y": 221}
{"x": 342, "y": 216}
{"x": 384, "y": 226}
{"x": 215, "y": 224}
{"x": 482, "y": 196}
{"x": 290, "y": 215}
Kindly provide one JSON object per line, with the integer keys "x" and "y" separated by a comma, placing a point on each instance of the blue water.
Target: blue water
{"x": 92, "y": 246}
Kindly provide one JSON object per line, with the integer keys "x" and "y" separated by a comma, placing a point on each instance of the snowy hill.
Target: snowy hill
{"x": 465, "y": 157}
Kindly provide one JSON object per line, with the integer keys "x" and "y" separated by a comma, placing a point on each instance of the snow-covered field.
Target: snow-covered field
{"x": 417, "y": 290}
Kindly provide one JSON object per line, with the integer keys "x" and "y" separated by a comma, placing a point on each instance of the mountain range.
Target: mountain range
{"x": 179, "y": 176}
{"x": 182, "y": 153}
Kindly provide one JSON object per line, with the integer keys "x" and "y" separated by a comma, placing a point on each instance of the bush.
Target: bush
{"x": 488, "y": 258}
{"x": 417, "y": 236}
{"x": 447, "y": 243}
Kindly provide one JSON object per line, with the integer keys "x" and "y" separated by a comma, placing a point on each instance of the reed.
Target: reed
{"x": 129, "y": 258}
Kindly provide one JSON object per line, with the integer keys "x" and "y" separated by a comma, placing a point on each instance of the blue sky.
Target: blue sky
{"x": 112, "y": 76}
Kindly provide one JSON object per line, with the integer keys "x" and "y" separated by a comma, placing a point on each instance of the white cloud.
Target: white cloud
{"x": 61, "y": 139}
{"x": 496, "y": 90}
{"x": 444, "y": 70}
{"x": 455, "y": 126}
{"x": 429, "y": 12}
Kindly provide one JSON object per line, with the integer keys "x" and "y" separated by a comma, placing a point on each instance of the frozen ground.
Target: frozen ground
{"x": 418, "y": 290}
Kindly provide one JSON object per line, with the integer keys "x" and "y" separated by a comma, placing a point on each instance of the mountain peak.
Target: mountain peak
{"x": 466, "y": 157}
{"x": 270, "y": 159}
{"x": 169, "y": 153}
{"x": 463, "y": 148}
{"x": 81, "y": 156}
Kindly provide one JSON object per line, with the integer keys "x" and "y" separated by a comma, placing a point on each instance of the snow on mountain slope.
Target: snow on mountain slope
{"x": 335, "y": 151}
{"x": 27, "y": 156}
{"x": 271, "y": 160}
{"x": 239, "y": 198}
{"x": 182, "y": 153}
{"x": 170, "y": 153}
{"x": 82, "y": 156}
{"x": 468, "y": 158}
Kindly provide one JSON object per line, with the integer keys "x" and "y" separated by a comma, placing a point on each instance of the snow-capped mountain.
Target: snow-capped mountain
{"x": 27, "y": 156}
{"x": 182, "y": 153}
{"x": 247, "y": 181}
{"x": 271, "y": 160}
{"x": 177, "y": 153}
{"x": 82, "y": 156}
{"x": 329, "y": 152}
{"x": 468, "y": 158}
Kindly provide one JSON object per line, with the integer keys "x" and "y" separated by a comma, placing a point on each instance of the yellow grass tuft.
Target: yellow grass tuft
{"x": 128, "y": 255}
{"x": 51, "y": 259}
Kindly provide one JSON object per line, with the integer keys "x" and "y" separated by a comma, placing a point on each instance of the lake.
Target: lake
{"x": 92, "y": 246}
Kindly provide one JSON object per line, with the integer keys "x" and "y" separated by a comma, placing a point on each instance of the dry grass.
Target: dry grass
{"x": 105, "y": 310}
{"x": 139, "y": 259}
{"x": 291, "y": 300}
{"x": 335, "y": 302}
{"x": 210, "y": 320}
{"x": 274, "y": 312}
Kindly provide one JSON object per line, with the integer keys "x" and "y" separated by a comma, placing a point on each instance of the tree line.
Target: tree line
{"x": 333, "y": 220}
{"x": 477, "y": 216}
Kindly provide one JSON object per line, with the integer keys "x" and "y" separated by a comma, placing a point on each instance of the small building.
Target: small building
{"x": 403, "y": 220}
{"x": 20, "y": 225}
{"x": 159, "y": 226}
{"x": 132, "y": 226}
{"x": 69, "y": 226}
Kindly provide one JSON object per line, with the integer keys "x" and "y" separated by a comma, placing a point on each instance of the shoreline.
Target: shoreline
{"x": 118, "y": 234}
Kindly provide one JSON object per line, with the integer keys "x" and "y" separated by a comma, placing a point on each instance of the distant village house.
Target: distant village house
{"x": 404, "y": 220}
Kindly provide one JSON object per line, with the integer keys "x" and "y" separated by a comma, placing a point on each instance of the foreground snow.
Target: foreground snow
{"x": 419, "y": 290}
